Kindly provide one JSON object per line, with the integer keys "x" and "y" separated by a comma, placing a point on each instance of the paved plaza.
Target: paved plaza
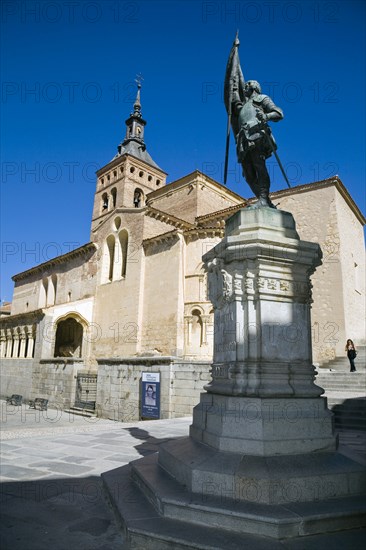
{"x": 52, "y": 494}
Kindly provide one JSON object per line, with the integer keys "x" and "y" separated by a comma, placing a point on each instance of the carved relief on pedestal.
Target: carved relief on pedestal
{"x": 227, "y": 285}
{"x": 298, "y": 290}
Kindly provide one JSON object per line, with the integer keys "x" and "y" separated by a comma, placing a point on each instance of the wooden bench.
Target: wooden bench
{"x": 38, "y": 403}
{"x": 15, "y": 399}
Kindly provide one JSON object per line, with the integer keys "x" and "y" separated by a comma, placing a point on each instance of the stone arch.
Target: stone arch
{"x": 69, "y": 335}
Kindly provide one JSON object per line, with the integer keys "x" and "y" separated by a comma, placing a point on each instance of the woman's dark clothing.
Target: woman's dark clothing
{"x": 351, "y": 354}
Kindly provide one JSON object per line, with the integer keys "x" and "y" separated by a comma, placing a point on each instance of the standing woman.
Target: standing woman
{"x": 351, "y": 354}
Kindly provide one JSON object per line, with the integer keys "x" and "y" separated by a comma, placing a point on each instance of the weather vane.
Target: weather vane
{"x": 139, "y": 78}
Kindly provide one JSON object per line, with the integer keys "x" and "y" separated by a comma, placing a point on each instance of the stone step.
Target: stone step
{"x": 88, "y": 413}
{"x": 159, "y": 514}
{"x": 349, "y": 414}
{"x": 339, "y": 363}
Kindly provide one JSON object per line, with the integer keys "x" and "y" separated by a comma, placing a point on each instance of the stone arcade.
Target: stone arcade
{"x": 261, "y": 458}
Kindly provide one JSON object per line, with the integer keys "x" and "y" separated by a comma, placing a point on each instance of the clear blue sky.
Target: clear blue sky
{"x": 68, "y": 72}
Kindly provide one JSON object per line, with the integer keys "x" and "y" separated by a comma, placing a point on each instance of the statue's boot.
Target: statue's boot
{"x": 263, "y": 200}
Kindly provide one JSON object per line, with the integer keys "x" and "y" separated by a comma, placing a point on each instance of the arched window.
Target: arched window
{"x": 114, "y": 196}
{"x": 52, "y": 287}
{"x": 43, "y": 292}
{"x": 123, "y": 241}
{"x": 105, "y": 202}
{"x": 111, "y": 244}
{"x": 197, "y": 327}
{"x": 69, "y": 338}
{"x": 138, "y": 197}
{"x": 54, "y": 284}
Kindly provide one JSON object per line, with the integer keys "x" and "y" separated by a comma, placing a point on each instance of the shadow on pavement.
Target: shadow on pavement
{"x": 68, "y": 513}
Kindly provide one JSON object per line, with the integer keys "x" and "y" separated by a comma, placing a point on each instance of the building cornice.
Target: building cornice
{"x": 156, "y": 360}
{"x": 121, "y": 159}
{"x": 163, "y": 237}
{"x": 203, "y": 232}
{"x": 81, "y": 251}
{"x": 26, "y": 318}
{"x": 167, "y": 218}
{"x": 221, "y": 214}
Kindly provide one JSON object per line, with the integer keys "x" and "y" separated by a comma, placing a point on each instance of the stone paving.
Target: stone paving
{"x": 52, "y": 495}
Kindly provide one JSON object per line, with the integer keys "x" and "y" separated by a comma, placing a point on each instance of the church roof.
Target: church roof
{"x": 80, "y": 251}
{"x": 189, "y": 178}
{"x": 334, "y": 180}
{"x": 138, "y": 151}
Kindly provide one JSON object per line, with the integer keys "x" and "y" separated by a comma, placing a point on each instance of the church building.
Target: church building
{"x": 86, "y": 325}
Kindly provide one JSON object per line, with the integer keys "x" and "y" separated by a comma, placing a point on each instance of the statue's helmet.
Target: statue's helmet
{"x": 253, "y": 85}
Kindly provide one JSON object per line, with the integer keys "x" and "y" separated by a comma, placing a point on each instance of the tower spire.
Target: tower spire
{"x": 134, "y": 144}
{"x": 137, "y": 104}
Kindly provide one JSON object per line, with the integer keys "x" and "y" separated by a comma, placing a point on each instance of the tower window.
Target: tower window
{"x": 114, "y": 196}
{"x": 132, "y": 169}
{"x": 157, "y": 182}
{"x": 149, "y": 178}
{"x": 137, "y": 198}
{"x": 141, "y": 173}
{"x": 105, "y": 202}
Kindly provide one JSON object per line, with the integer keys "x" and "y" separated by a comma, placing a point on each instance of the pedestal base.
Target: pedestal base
{"x": 263, "y": 426}
{"x": 275, "y": 480}
{"x": 158, "y": 513}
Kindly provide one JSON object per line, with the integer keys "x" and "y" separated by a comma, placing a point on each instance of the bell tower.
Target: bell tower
{"x": 124, "y": 182}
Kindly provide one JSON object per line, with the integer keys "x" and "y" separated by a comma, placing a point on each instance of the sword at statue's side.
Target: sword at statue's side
{"x": 263, "y": 131}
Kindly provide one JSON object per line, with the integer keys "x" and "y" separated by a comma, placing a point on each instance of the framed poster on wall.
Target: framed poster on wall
{"x": 150, "y": 395}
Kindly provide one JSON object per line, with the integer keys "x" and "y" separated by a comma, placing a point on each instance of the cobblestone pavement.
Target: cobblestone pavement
{"x": 52, "y": 496}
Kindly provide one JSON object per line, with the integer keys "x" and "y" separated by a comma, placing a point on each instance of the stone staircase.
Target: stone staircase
{"x": 345, "y": 390}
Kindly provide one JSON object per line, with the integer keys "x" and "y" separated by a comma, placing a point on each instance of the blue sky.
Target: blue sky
{"x": 68, "y": 72}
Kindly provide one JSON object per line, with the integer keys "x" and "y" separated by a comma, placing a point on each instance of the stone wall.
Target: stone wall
{"x": 16, "y": 377}
{"x": 52, "y": 379}
{"x": 55, "y": 380}
{"x": 187, "y": 383}
{"x": 323, "y": 216}
{"x": 163, "y": 306}
{"x": 352, "y": 258}
{"x": 118, "y": 391}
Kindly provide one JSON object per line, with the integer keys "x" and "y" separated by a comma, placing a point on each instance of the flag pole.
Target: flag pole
{"x": 229, "y": 106}
{"x": 227, "y": 137}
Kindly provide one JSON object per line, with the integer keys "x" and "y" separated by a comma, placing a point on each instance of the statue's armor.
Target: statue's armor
{"x": 251, "y": 128}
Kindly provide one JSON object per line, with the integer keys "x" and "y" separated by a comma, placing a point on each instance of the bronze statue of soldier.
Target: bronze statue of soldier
{"x": 249, "y": 111}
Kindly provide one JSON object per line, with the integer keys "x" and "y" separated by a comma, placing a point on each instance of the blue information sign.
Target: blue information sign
{"x": 150, "y": 395}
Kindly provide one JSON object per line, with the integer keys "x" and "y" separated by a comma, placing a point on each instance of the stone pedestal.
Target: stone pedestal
{"x": 261, "y": 456}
